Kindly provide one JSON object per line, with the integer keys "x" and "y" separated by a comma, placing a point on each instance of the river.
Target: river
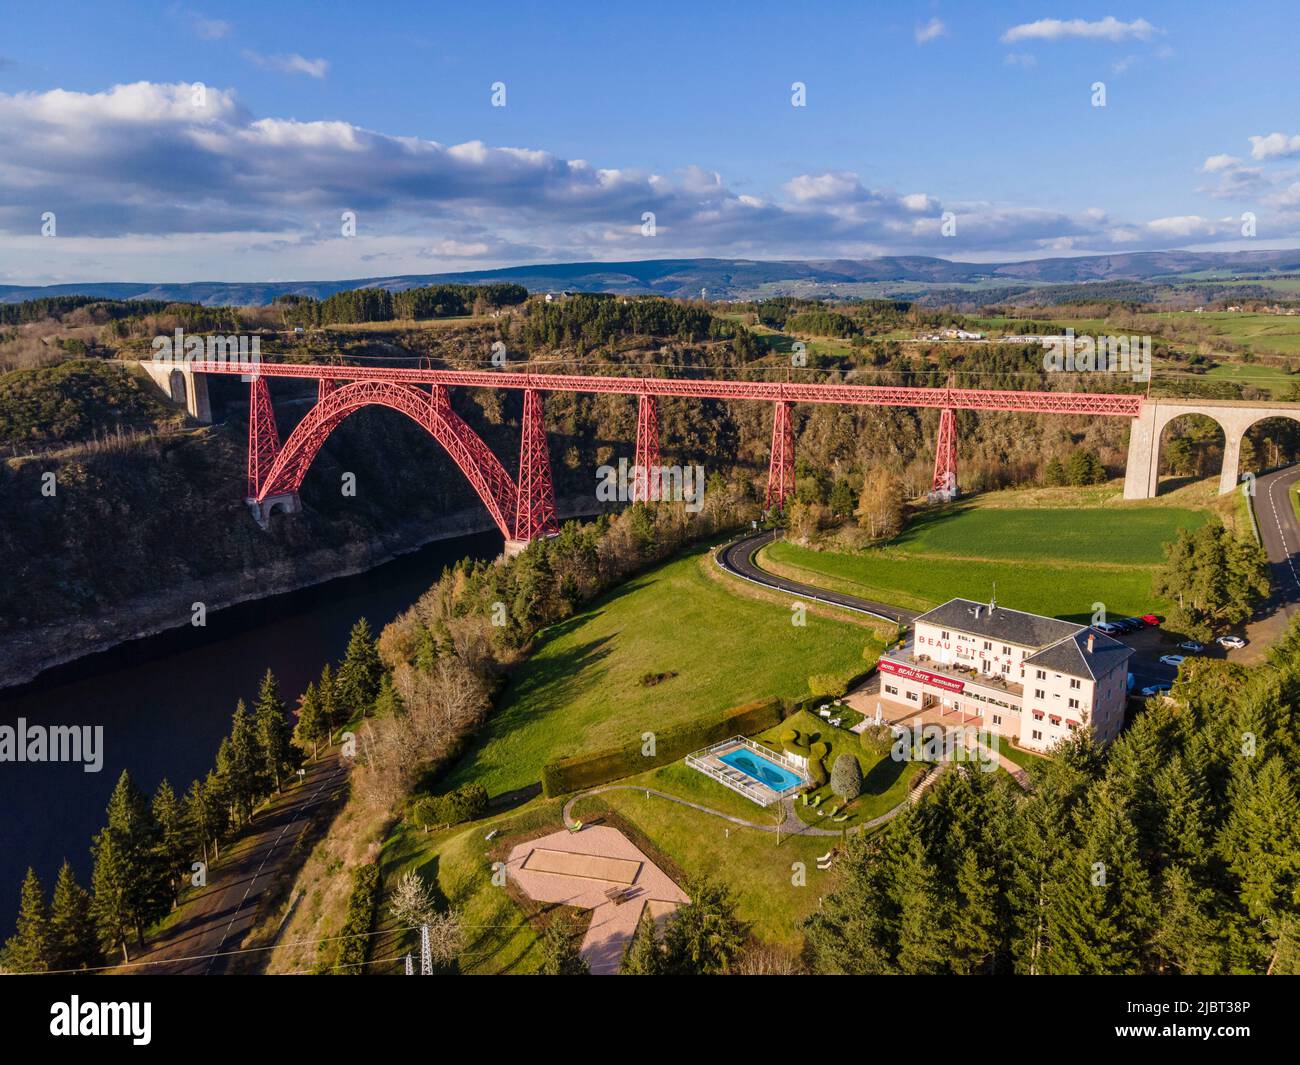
{"x": 165, "y": 702}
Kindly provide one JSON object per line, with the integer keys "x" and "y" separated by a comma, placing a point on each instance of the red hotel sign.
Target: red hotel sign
{"x": 912, "y": 673}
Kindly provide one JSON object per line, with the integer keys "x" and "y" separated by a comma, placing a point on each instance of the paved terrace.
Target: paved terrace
{"x": 578, "y": 869}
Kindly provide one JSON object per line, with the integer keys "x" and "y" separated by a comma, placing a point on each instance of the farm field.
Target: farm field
{"x": 582, "y": 688}
{"x": 1261, "y": 333}
{"x": 1066, "y": 559}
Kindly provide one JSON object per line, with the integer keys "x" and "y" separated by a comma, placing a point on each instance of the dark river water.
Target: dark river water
{"x": 165, "y": 702}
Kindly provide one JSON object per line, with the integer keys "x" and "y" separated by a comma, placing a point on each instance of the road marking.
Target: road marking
{"x": 1272, "y": 502}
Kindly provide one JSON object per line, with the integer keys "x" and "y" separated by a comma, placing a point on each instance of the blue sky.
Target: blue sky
{"x": 984, "y": 112}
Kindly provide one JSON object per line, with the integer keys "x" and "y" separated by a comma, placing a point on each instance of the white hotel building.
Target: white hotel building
{"x": 1026, "y": 677}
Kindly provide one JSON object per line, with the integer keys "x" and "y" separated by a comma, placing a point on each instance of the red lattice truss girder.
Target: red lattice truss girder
{"x": 1117, "y": 404}
{"x": 780, "y": 470}
{"x": 263, "y": 438}
{"x": 646, "y": 483}
{"x": 535, "y": 515}
{"x": 945, "y": 454}
{"x": 431, "y": 410}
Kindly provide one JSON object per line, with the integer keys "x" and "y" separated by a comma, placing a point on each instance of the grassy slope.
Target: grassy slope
{"x": 1062, "y": 561}
{"x": 581, "y": 689}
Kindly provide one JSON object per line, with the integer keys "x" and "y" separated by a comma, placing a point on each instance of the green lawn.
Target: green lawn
{"x": 758, "y": 870}
{"x": 884, "y": 780}
{"x": 1065, "y": 560}
{"x": 580, "y": 689}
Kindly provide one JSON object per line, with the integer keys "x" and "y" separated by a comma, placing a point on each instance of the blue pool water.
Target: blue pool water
{"x": 760, "y": 769}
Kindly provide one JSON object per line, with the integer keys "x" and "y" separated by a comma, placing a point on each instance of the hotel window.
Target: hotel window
{"x": 1074, "y": 704}
{"x": 1037, "y": 735}
{"x": 891, "y": 689}
{"x": 1039, "y": 693}
{"x": 988, "y": 646}
{"x": 1075, "y": 682}
{"x": 1006, "y": 667}
{"x": 912, "y": 696}
{"x": 1006, "y": 650}
{"x": 997, "y": 719}
{"x": 1040, "y": 674}
{"x": 943, "y": 634}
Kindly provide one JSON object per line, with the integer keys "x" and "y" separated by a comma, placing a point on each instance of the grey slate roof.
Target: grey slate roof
{"x": 999, "y": 623}
{"x": 1071, "y": 656}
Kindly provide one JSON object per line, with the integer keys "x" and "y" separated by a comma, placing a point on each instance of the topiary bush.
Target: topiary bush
{"x": 466, "y": 803}
{"x": 846, "y": 777}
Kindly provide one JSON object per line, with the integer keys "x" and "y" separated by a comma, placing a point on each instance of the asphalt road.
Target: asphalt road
{"x": 738, "y": 558}
{"x": 216, "y": 921}
{"x": 1280, "y": 533}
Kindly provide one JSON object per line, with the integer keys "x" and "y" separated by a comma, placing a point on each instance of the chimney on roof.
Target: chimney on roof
{"x": 977, "y": 613}
{"x": 1090, "y": 641}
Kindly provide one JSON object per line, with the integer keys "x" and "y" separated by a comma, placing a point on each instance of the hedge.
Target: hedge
{"x": 466, "y": 803}
{"x": 354, "y": 941}
{"x": 600, "y": 767}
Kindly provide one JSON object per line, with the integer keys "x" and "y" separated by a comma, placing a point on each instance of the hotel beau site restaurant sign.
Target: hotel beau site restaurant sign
{"x": 925, "y": 677}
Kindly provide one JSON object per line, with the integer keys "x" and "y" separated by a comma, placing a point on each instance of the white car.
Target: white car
{"x": 1172, "y": 660}
{"x": 1195, "y": 646}
{"x": 1156, "y": 689}
{"x": 1234, "y": 643}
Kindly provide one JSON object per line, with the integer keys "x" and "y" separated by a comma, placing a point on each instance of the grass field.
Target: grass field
{"x": 581, "y": 689}
{"x": 1262, "y": 333}
{"x": 884, "y": 780}
{"x": 1065, "y": 560}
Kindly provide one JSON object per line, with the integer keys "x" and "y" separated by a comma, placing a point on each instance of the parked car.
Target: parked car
{"x": 1151, "y": 619}
{"x": 1108, "y": 628}
{"x": 1234, "y": 643}
{"x": 1156, "y": 689}
{"x": 1137, "y": 623}
{"x": 1173, "y": 660}
{"x": 1195, "y": 646}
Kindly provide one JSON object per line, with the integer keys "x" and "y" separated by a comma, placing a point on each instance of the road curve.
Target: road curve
{"x": 737, "y": 558}
{"x": 1280, "y": 534}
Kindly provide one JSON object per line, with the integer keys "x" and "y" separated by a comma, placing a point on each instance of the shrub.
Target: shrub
{"x": 846, "y": 777}
{"x": 789, "y": 736}
{"x": 354, "y": 939}
{"x": 820, "y": 749}
{"x": 649, "y": 680}
{"x": 877, "y": 740}
{"x": 466, "y": 803}
{"x": 825, "y": 686}
{"x": 676, "y": 741}
{"x": 816, "y": 773}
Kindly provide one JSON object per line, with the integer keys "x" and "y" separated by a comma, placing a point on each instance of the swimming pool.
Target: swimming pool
{"x": 759, "y": 768}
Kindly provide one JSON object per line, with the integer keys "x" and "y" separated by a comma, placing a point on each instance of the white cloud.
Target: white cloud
{"x": 932, "y": 30}
{"x": 292, "y": 63}
{"x": 209, "y": 29}
{"x": 1274, "y": 146}
{"x": 1216, "y": 164}
{"x": 1020, "y": 59}
{"x": 1107, "y": 29}
{"x": 131, "y": 169}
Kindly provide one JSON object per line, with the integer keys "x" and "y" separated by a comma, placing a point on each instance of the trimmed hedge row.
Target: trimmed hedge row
{"x": 600, "y": 767}
{"x": 467, "y": 803}
{"x": 354, "y": 943}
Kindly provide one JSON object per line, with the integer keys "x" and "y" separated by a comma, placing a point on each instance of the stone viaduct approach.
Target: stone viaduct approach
{"x": 523, "y": 507}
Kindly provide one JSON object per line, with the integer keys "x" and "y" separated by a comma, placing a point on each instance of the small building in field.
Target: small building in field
{"x": 1029, "y": 678}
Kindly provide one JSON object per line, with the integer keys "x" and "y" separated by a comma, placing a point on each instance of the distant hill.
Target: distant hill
{"x": 727, "y": 278}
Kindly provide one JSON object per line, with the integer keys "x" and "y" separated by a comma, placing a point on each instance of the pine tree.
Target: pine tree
{"x": 29, "y": 950}
{"x": 206, "y": 815}
{"x": 273, "y": 732}
{"x": 241, "y": 764}
{"x": 127, "y": 870}
{"x": 705, "y": 936}
{"x": 310, "y": 727}
{"x": 327, "y": 693}
{"x": 924, "y": 915}
{"x": 357, "y": 682}
{"x": 1054, "y": 473}
{"x": 173, "y": 837}
{"x": 643, "y": 955}
{"x": 976, "y": 932}
{"x": 110, "y": 892}
{"x": 73, "y": 940}
{"x": 388, "y": 703}
{"x": 560, "y": 955}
